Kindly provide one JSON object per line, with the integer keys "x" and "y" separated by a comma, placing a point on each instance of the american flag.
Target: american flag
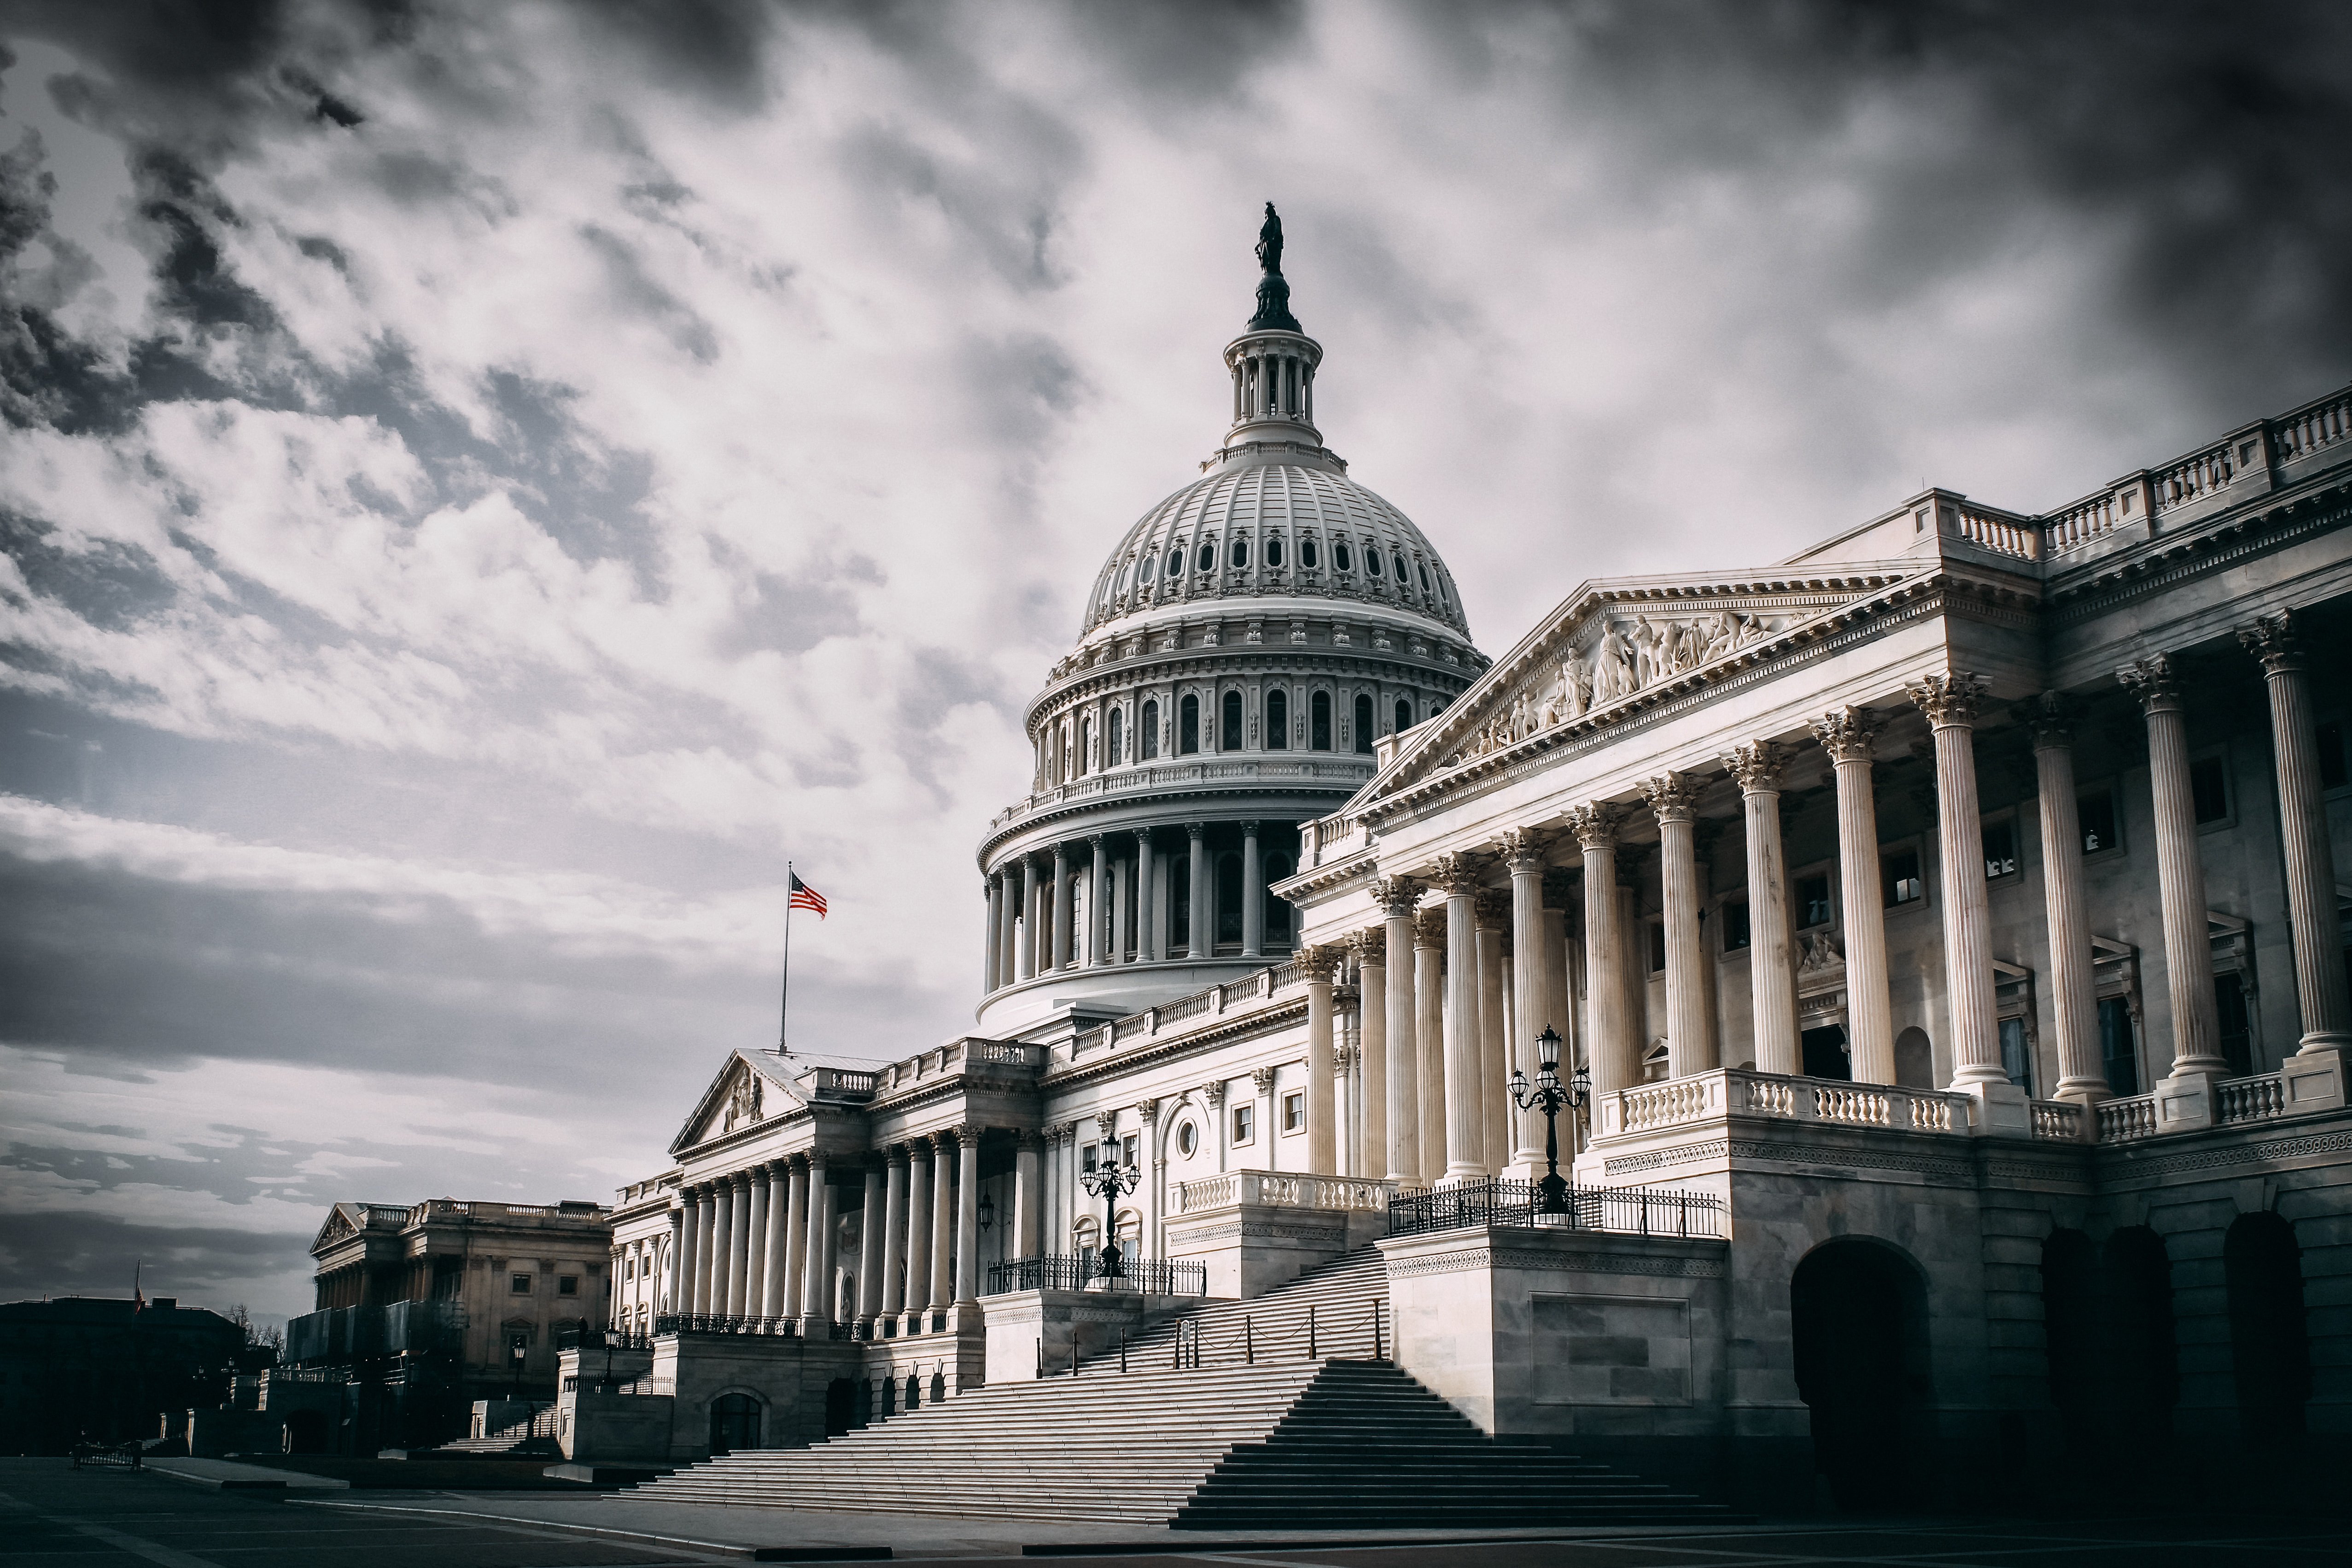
{"x": 806, "y": 897}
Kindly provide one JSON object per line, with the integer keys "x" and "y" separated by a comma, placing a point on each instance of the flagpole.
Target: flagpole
{"x": 784, "y": 1014}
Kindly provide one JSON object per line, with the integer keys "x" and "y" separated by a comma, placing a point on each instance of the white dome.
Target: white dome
{"x": 1279, "y": 528}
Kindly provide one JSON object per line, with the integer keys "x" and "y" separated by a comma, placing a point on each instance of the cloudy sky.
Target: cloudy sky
{"x": 483, "y": 485}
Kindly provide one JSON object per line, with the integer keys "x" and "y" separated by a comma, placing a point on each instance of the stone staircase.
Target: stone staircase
{"x": 1242, "y": 1440}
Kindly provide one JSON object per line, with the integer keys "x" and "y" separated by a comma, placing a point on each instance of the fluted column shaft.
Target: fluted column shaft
{"x": 1148, "y": 895}
{"x": 1494, "y": 1036}
{"x": 2321, "y": 989}
{"x": 1028, "y": 1197}
{"x": 1616, "y": 1055}
{"x": 893, "y": 1233}
{"x": 1253, "y": 896}
{"x": 706, "y": 1254}
{"x": 2180, "y": 874}
{"x": 2073, "y": 990}
{"x": 1028, "y": 917}
{"x": 755, "y": 1271}
{"x": 968, "y": 1216}
{"x": 1847, "y": 736}
{"x": 771, "y": 1270}
{"x": 1950, "y": 701}
{"x": 943, "y": 1216}
{"x": 1674, "y": 802}
{"x": 992, "y": 962}
{"x": 869, "y": 1246}
{"x": 1201, "y": 939}
{"x": 825, "y": 1215}
{"x": 1322, "y": 1148}
{"x": 1429, "y": 1041}
{"x": 726, "y": 1275}
{"x": 1098, "y": 905}
{"x": 795, "y": 1236}
{"x": 1064, "y": 906}
{"x": 919, "y": 1225}
{"x": 1372, "y": 1054}
{"x": 1403, "y": 1026}
{"x": 688, "y": 1256}
{"x": 1771, "y": 953}
{"x": 1535, "y": 987}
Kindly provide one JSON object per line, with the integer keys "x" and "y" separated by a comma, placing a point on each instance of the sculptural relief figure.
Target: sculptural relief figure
{"x": 1269, "y": 241}
{"x": 1613, "y": 666}
{"x": 1575, "y": 687}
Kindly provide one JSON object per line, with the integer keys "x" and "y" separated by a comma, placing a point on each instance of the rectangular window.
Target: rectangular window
{"x": 1813, "y": 900}
{"x": 1293, "y": 1111}
{"x": 1245, "y": 1122}
{"x": 2115, "y": 1047}
{"x": 567, "y": 1284}
{"x": 2095, "y": 813}
{"x": 2237, "y": 1023}
{"x": 2208, "y": 787}
{"x": 1188, "y": 727}
{"x": 2001, "y": 849}
{"x": 1898, "y": 875}
{"x": 2014, "y": 1058}
{"x": 1735, "y": 924}
{"x": 1088, "y": 1158}
{"x": 2333, "y": 774}
{"x": 520, "y": 1284}
{"x": 629, "y": 1267}
{"x": 1128, "y": 1148}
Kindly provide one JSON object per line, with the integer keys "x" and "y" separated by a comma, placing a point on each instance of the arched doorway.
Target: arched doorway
{"x": 1914, "y": 1060}
{"x": 2143, "y": 1381}
{"x": 1859, "y": 1313}
{"x": 2070, "y": 1329}
{"x": 2270, "y": 1346}
{"x": 840, "y": 1406}
{"x": 734, "y": 1423}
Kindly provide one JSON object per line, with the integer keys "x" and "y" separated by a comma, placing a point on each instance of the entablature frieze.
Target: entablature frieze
{"x": 1232, "y": 1029}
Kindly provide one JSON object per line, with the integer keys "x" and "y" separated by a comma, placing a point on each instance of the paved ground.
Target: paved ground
{"x": 53, "y": 1514}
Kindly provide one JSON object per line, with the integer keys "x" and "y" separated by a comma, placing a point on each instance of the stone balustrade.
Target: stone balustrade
{"x": 1359, "y": 1194}
{"x": 2127, "y": 1117}
{"x": 1738, "y": 1092}
{"x": 2058, "y": 1121}
{"x": 2256, "y": 1098}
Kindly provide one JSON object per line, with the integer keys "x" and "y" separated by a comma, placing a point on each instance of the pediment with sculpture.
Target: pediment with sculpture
{"x": 742, "y": 1095}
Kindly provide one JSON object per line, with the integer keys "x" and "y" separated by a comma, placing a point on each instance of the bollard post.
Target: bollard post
{"x": 1122, "y": 1348}
{"x": 1041, "y": 1355}
{"x": 1311, "y": 1331}
{"x": 1377, "y": 1354}
{"x": 1249, "y": 1349}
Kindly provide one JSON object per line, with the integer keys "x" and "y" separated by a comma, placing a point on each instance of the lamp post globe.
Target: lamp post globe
{"x": 1107, "y": 1181}
{"x": 1549, "y": 1095}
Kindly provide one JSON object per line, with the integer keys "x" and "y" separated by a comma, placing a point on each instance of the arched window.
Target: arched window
{"x": 1085, "y": 744}
{"x": 1371, "y": 560}
{"x": 1277, "y": 910}
{"x": 1206, "y": 557}
{"x": 1401, "y": 570}
{"x": 1364, "y": 723}
{"x": 1424, "y": 577}
{"x": 1148, "y": 742}
{"x": 1274, "y": 550}
{"x": 1188, "y": 725}
{"x": 1238, "y": 556}
{"x": 1118, "y": 723}
{"x": 1404, "y": 716}
{"x": 1175, "y": 560}
{"x": 1228, "y": 733}
{"x": 1277, "y": 721}
{"x": 1228, "y": 898}
{"x": 1179, "y": 903}
{"x": 1151, "y": 567}
{"x": 1318, "y": 722}
{"x": 1339, "y": 557}
{"x": 1307, "y": 553}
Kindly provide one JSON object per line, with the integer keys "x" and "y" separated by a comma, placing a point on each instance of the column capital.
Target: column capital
{"x": 1458, "y": 874}
{"x": 1196, "y": 831}
{"x": 1371, "y": 948}
{"x": 1757, "y": 766}
{"x": 1213, "y": 1092}
{"x": 1319, "y": 964}
{"x": 896, "y": 1157}
{"x": 941, "y": 1140}
{"x": 2154, "y": 682}
{"x": 1094, "y": 841}
{"x": 2053, "y": 720}
{"x": 1848, "y": 734}
{"x": 816, "y": 1162}
{"x": 1106, "y": 1124}
{"x": 1061, "y": 854}
{"x": 1429, "y": 928}
{"x": 1250, "y": 828}
{"x": 1953, "y": 697}
{"x": 1029, "y": 1140}
{"x": 1143, "y": 839}
{"x": 1397, "y": 896}
{"x": 1673, "y": 797}
{"x": 966, "y": 1134}
{"x": 988, "y": 887}
{"x": 1523, "y": 849}
{"x": 1148, "y": 1110}
{"x": 2276, "y": 640}
{"x": 1263, "y": 1077}
{"x": 1595, "y": 826}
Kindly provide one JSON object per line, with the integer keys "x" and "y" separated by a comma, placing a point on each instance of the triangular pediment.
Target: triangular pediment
{"x": 344, "y": 1220}
{"x": 1615, "y": 646}
{"x": 748, "y": 1090}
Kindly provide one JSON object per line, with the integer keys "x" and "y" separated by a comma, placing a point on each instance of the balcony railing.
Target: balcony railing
{"x": 1625, "y": 1210}
{"x": 711, "y": 1323}
{"x": 1367, "y": 1195}
{"x": 1146, "y": 1276}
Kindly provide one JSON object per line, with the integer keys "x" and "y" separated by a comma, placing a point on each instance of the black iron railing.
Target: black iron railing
{"x": 705, "y": 1323}
{"x": 602, "y": 1339}
{"x": 1149, "y": 1276}
{"x": 1632, "y": 1210}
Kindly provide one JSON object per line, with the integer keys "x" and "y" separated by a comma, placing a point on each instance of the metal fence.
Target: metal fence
{"x": 710, "y": 1322}
{"x": 1634, "y": 1210}
{"x": 1149, "y": 1276}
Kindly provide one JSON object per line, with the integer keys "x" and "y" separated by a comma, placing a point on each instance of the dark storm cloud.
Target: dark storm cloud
{"x": 63, "y": 1252}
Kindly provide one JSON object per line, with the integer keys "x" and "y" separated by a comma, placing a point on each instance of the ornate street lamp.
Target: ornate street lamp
{"x": 1549, "y": 1093}
{"x": 1107, "y": 1181}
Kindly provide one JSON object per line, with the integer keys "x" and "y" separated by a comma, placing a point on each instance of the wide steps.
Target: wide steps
{"x": 1341, "y": 1293}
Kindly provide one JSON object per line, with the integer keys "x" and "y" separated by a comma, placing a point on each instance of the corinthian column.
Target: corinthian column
{"x": 1464, "y": 1130}
{"x": 893, "y": 1233}
{"x": 1397, "y": 897}
{"x": 688, "y": 1262}
{"x": 943, "y": 1216}
{"x": 727, "y": 1276}
{"x": 1253, "y": 896}
{"x": 1202, "y": 940}
{"x": 1674, "y": 801}
{"x": 1616, "y": 1058}
{"x": 1099, "y": 905}
{"x": 1322, "y": 1152}
{"x": 795, "y": 1237}
{"x": 1008, "y": 929}
{"x": 755, "y": 1272}
{"x": 1535, "y": 987}
{"x": 1372, "y": 1053}
{"x": 1771, "y": 961}
{"x": 816, "y": 1269}
{"x": 919, "y": 1226}
{"x": 1950, "y": 703}
{"x": 772, "y": 1282}
{"x": 1849, "y": 736}
{"x": 2320, "y": 987}
{"x": 1151, "y": 941}
{"x": 1028, "y": 917}
{"x": 1494, "y": 914}
{"x": 1064, "y": 910}
{"x": 2186, "y": 1098}
{"x": 993, "y": 957}
{"x": 1028, "y": 1204}
{"x": 968, "y": 1217}
{"x": 871, "y": 1227}
{"x": 1429, "y": 1041}
{"x": 2074, "y": 997}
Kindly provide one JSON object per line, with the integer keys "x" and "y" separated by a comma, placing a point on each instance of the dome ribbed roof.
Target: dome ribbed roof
{"x": 1275, "y": 530}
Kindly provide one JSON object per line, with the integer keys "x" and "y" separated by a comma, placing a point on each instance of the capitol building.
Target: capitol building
{"x": 1940, "y": 934}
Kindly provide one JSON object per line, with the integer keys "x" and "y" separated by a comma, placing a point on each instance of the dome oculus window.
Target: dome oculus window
{"x": 1176, "y": 561}
{"x": 1274, "y": 550}
{"x": 1238, "y": 556}
{"x": 1151, "y": 567}
{"x": 1400, "y": 569}
{"x": 1372, "y": 561}
{"x": 1306, "y": 554}
{"x": 1339, "y": 557}
{"x": 1425, "y": 578}
{"x": 1206, "y": 559}
{"x": 1188, "y": 1140}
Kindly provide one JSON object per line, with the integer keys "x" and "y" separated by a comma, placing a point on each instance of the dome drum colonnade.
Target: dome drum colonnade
{"x": 1246, "y": 646}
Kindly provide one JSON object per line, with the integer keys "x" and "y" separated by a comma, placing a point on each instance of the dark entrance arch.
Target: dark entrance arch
{"x": 1859, "y": 1313}
{"x": 734, "y": 1423}
{"x": 840, "y": 1406}
{"x": 2143, "y": 1381}
{"x": 2269, "y": 1344}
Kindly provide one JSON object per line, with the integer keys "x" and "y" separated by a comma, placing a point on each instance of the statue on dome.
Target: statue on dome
{"x": 1272, "y": 289}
